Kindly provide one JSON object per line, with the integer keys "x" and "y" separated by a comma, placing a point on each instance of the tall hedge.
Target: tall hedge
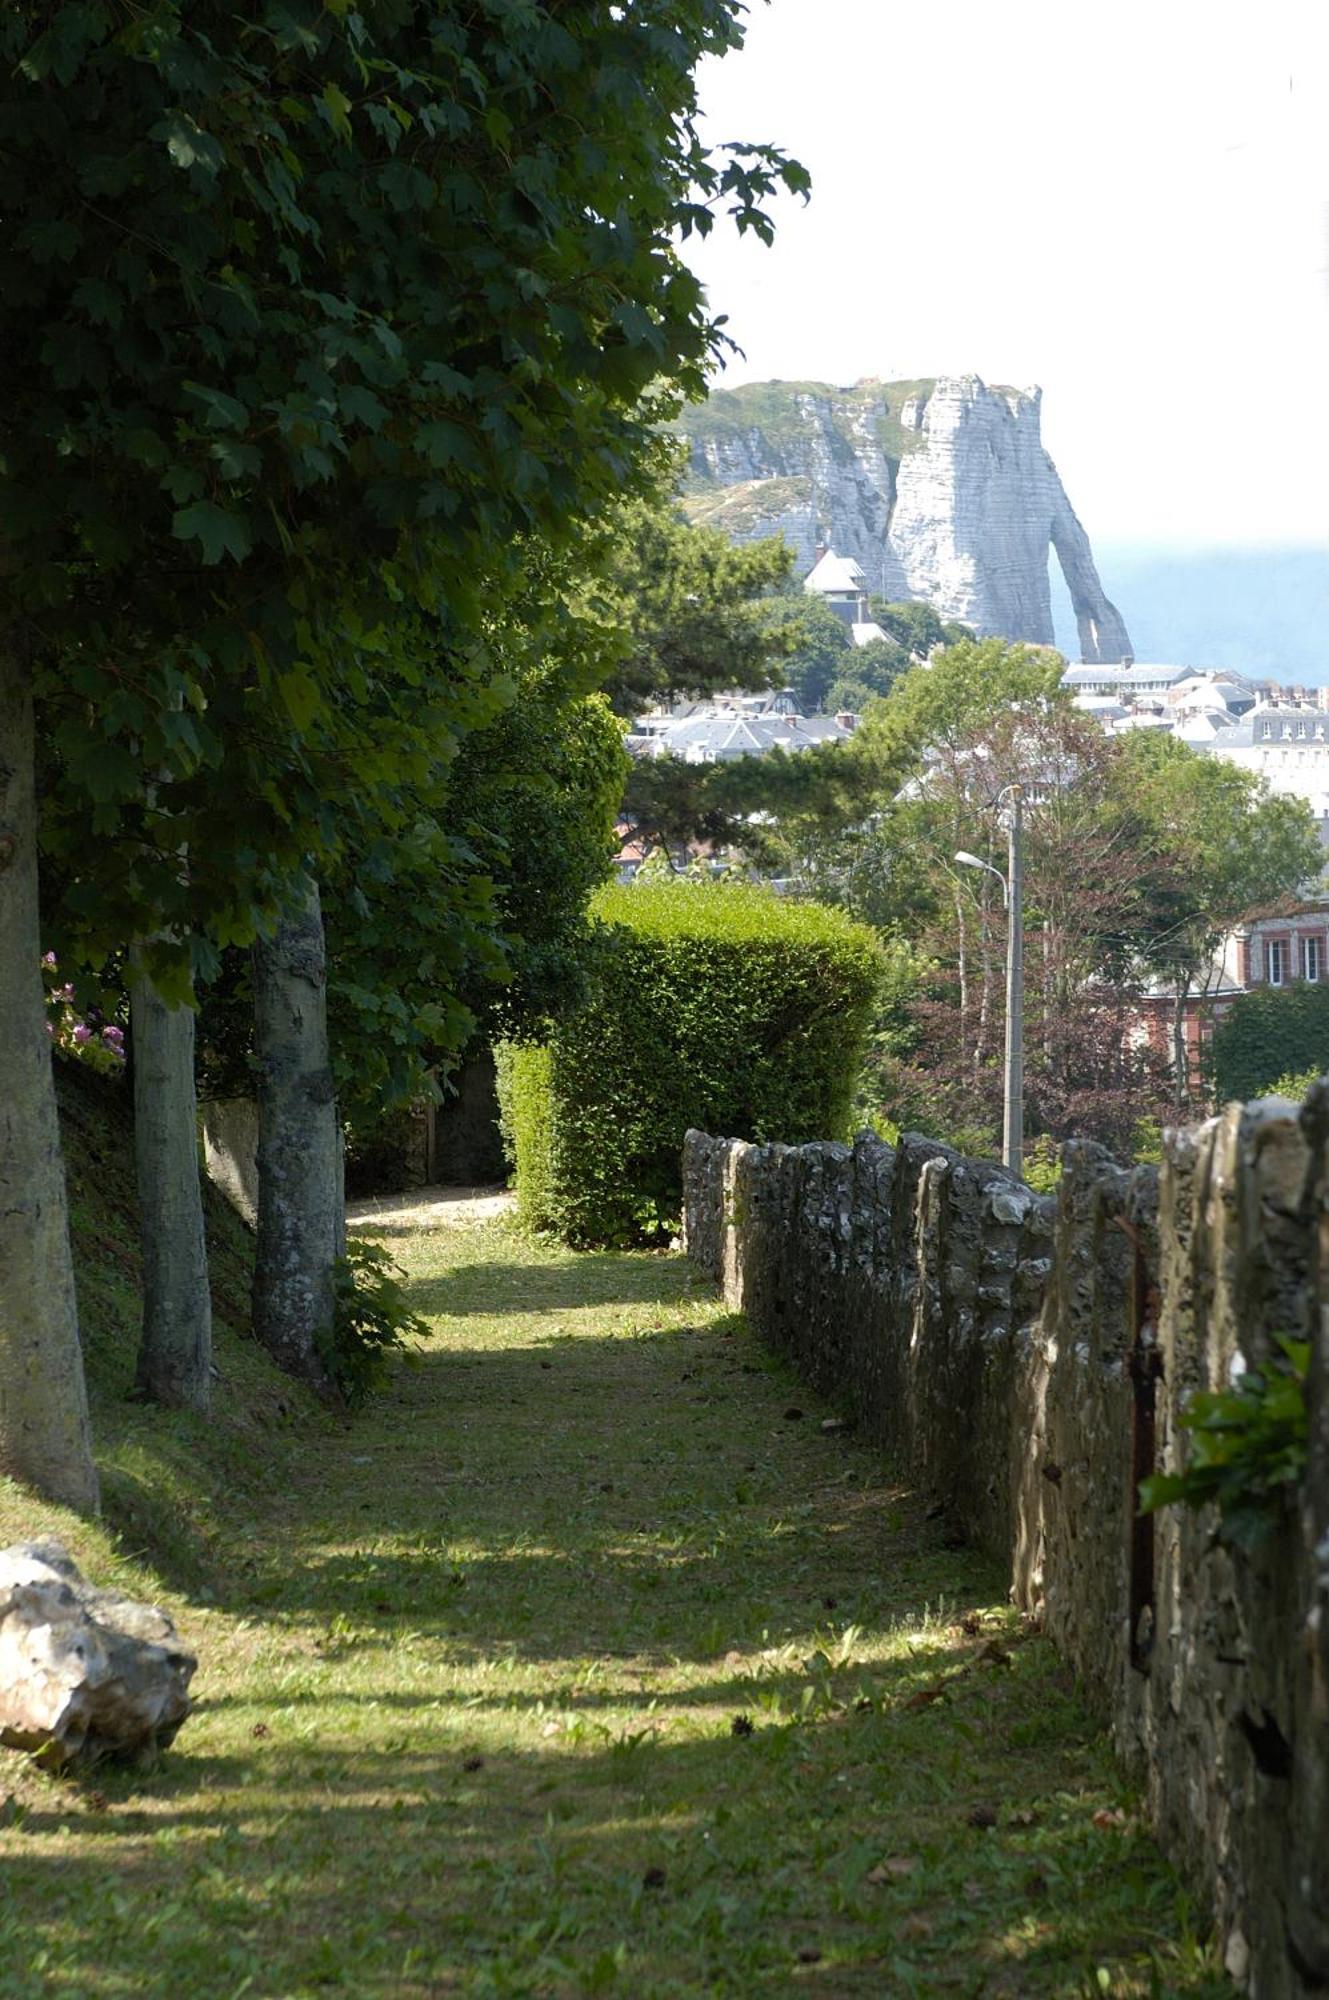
{"x": 1273, "y": 1032}
{"x": 719, "y": 1006}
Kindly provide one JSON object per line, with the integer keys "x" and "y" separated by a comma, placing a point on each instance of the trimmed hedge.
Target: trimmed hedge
{"x": 719, "y": 1006}
{"x": 1273, "y": 1032}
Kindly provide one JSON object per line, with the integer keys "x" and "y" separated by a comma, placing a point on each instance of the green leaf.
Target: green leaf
{"x": 300, "y": 696}
{"x": 338, "y": 107}
{"x": 188, "y": 144}
{"x": 223, "y": 412}
{"x": 220, "y": 532}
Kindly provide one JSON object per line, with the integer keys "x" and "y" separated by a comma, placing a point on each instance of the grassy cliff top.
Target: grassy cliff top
{"x": 773, "y": 409}
{"x": 749, "y": 504}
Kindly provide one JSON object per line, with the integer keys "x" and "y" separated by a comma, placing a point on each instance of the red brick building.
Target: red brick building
{"x": 1273, "y": 950}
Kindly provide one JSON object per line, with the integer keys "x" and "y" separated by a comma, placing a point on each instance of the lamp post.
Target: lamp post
{"x": 1012, "y": 895}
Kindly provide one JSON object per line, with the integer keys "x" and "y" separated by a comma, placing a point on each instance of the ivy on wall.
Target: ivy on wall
{"x": 1270, "y": 1034}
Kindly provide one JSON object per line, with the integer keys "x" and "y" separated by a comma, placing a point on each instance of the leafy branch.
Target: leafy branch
{"x": 1248, "y": 1447}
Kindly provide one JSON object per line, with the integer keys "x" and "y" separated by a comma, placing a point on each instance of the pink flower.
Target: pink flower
{"x": 82, "y": 1033}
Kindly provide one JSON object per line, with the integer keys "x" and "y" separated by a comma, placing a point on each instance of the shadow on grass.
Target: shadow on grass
{"x": 636, "y": 1864}
{"x": 493, "y": 1290}
{"x": 580, "y": 1497}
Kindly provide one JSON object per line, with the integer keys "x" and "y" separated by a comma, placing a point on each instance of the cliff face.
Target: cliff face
{"x": 941, "y": 491}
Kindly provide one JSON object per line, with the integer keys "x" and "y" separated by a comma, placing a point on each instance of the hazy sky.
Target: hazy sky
{"x": 1126, "y": 201}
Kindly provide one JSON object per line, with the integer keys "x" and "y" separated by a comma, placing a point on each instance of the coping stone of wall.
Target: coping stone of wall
{"x": 1027, "y": 1359}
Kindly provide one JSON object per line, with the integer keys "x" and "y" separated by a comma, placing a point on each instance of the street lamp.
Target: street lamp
{"x": 1012, "y": 896}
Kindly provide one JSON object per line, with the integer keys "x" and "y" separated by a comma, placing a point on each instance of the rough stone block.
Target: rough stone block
{"x": 84, "y": 1673}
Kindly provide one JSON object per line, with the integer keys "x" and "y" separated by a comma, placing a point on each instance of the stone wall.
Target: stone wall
{"x": 1026, "y": 1360}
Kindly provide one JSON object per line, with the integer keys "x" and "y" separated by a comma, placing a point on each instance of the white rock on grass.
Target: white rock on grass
{"x": 84, "y": 1673}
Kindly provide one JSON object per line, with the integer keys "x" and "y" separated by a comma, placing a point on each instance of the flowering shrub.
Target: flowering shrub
{"x": 99, "y": 1043}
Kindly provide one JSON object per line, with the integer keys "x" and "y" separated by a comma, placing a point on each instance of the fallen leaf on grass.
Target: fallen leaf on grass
{"x": 1110, "y": 1816}
{"x": 925, "y": 1697}
{"x": 260, "y": 1729}
{"x": 982, "y": 1816}
{"x": 915, "y": 1928}
{"x": 893, "y": 1869}
{"x": 1024, "y": 1817}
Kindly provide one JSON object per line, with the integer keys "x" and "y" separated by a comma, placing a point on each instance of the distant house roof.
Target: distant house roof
{"x": 1091, "y": 677}
{"x": 719, "y": 734}
{"x": 1104, "y": 706}
{"x": 835, "y": 576}
{"x": 1280, "y": 723}
{"x": 865, "y": 631}
{"x": 1145, "y": 674}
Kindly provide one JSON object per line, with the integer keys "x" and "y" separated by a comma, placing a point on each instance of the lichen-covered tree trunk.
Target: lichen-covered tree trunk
{"x": 45, "y": 1439}
{"x": 301, "y": 1217}
{"x": 175, "y": 1354}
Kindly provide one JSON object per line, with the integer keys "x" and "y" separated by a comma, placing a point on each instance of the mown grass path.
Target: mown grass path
{"x": 581, "y": 1663}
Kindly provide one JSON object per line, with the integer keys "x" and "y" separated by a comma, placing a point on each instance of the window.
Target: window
{"x": 1310, "y": 958}
{"x": 1276, "y": 960}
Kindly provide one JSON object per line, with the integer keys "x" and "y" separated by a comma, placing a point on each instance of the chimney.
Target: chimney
{"x": 847, "y": 720}
{"x": 818, "y": 552}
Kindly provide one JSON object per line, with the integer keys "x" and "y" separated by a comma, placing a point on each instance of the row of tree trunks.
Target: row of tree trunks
{"x": 301, "y": 1211}
{"x": 45, "y": 1436}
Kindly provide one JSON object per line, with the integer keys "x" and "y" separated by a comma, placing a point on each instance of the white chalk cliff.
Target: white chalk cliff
{"x": 941, "y": 491}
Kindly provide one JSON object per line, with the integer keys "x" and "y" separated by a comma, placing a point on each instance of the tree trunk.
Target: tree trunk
{"x": 962, "y": 970}
{"x": 45, "y": 1438}
{"x": 301, "y": 1213}
{"x": 1181, "y": 1078}
{"x": 175, "y": 1355}
{"x": 985, "y": 983}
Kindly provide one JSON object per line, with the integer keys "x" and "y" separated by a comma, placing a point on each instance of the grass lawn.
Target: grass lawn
{"x": 588, "y": 1660}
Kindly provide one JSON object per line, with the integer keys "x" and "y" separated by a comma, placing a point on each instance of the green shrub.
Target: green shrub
{"x": 1041, "y": 1169}
{"x": 1296, "y": 1085}
{"x": 372, "y": 1320}
{"x": 1273, "y": 1033}
{"x": 716, "y": 1005}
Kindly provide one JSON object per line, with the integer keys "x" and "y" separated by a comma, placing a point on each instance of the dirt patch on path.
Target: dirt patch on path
{"x": 430, "y": 1208}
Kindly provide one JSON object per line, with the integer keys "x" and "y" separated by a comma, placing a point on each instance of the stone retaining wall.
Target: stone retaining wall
{"x": 1026, "y": 1359}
